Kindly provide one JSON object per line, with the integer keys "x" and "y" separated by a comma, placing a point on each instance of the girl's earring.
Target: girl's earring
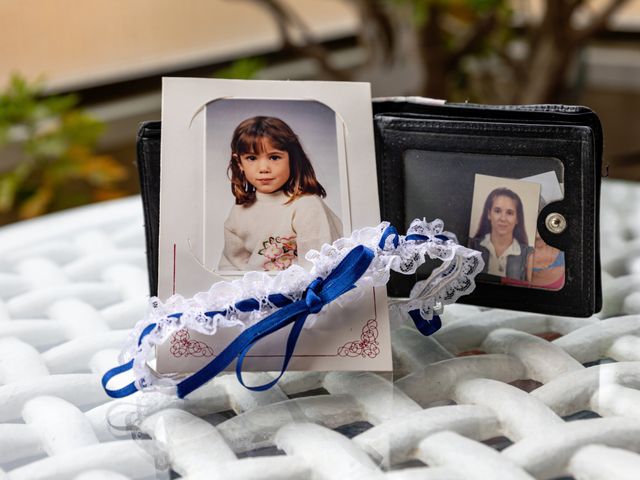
{"x": 245, "y": 185}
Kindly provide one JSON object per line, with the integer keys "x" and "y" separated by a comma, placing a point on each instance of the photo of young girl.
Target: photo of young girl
{"x": 279, "y": 213}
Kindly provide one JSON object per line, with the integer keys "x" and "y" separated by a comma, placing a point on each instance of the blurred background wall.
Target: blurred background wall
{"x": 77, "y": 77}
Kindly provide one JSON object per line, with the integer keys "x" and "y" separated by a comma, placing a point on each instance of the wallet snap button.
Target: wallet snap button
{"x": 556, "y": 223}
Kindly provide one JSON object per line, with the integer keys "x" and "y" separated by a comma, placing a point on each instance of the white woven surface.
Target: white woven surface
{"x": 513, "y": 405}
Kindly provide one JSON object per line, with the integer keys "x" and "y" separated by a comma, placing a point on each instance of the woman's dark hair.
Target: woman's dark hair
{"x": 484, "y": 227}
{"x": 249, "y": 137}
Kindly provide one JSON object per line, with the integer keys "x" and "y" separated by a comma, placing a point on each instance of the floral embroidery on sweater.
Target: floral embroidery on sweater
{"x": 281, "y": 252}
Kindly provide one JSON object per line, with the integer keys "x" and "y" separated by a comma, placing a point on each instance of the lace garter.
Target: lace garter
{"x": 261, "y": 303}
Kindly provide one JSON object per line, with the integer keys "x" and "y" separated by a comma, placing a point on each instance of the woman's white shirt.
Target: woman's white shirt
{"x": 498, "y": 265}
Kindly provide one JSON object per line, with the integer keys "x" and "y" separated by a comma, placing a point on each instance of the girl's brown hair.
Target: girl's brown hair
{"x": 249, "y": 137}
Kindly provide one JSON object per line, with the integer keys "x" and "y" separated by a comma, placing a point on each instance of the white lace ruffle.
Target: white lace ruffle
{"x": 445, "y": 285}
{"x": 454, "y": 278}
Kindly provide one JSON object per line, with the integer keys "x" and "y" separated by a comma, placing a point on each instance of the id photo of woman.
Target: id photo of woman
{"x": 503, "y": 227}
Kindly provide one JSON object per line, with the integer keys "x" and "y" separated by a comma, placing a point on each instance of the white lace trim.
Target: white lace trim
{"x": 454, "y": 278}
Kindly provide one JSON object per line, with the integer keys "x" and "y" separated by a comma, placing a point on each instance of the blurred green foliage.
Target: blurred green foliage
{"x": 453, "y": 46}
{"x": 55, "y": 142}
{"x": 242, "y": 69}
{"x": 451, "y": 33}
{"x": 463, "y": 8}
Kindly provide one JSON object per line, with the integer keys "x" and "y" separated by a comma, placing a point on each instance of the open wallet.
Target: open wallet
{"x": 529, "y": 174}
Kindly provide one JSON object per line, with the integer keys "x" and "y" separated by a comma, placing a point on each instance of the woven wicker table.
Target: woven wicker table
{"x": 494, "y": 394}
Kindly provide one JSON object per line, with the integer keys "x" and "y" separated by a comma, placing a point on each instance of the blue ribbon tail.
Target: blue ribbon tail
{"x": 425, "y": 327}
{"x": 291, "y": 345}
{"x": 120, "y": 392}
{"x": 241, "y": 344}
{"x": 114, "y": 372}
{"x": 390, "y": 230}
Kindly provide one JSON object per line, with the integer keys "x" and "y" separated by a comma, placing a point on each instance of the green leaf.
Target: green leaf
{"x": 81, "y": 129}
{"x": 4, "y": 134}
{"x": 8, "y": 189}
{"x": 63, "y": 169}
{"x": 70, "y": 198}
{"x": 19, "y": 101}
{"x": 60, "y": 105}
{"x": 50, "y": 146}
{"x": 243, "y": 69}
{"x": 37, "y": 203}
{"x": 420, "y": 13}
{"x": 58, "y": 166}
{"x": 484, "y": 5}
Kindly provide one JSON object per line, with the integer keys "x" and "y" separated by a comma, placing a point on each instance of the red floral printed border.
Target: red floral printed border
{"x": 183, "y": 346}
{"x": 367, "y": 346}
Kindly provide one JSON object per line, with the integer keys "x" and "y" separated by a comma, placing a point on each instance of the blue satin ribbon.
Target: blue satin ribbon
{"x": 390, "y": 230}
{"x": 425, "y": 327}
{"x": 422, "y": 238}
{"x": 319, "y": 293}
{"x": 131, "y": 388}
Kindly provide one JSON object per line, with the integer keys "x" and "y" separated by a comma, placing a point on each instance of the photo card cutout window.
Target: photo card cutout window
{"x": 274, "y": 183}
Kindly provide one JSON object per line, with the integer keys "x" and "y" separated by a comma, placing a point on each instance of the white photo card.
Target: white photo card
{"x": 253, "y": 175}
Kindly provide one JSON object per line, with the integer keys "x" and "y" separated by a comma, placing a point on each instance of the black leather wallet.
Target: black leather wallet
{"x": 427, "y": 158}
{"x": 429, "y": 155}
